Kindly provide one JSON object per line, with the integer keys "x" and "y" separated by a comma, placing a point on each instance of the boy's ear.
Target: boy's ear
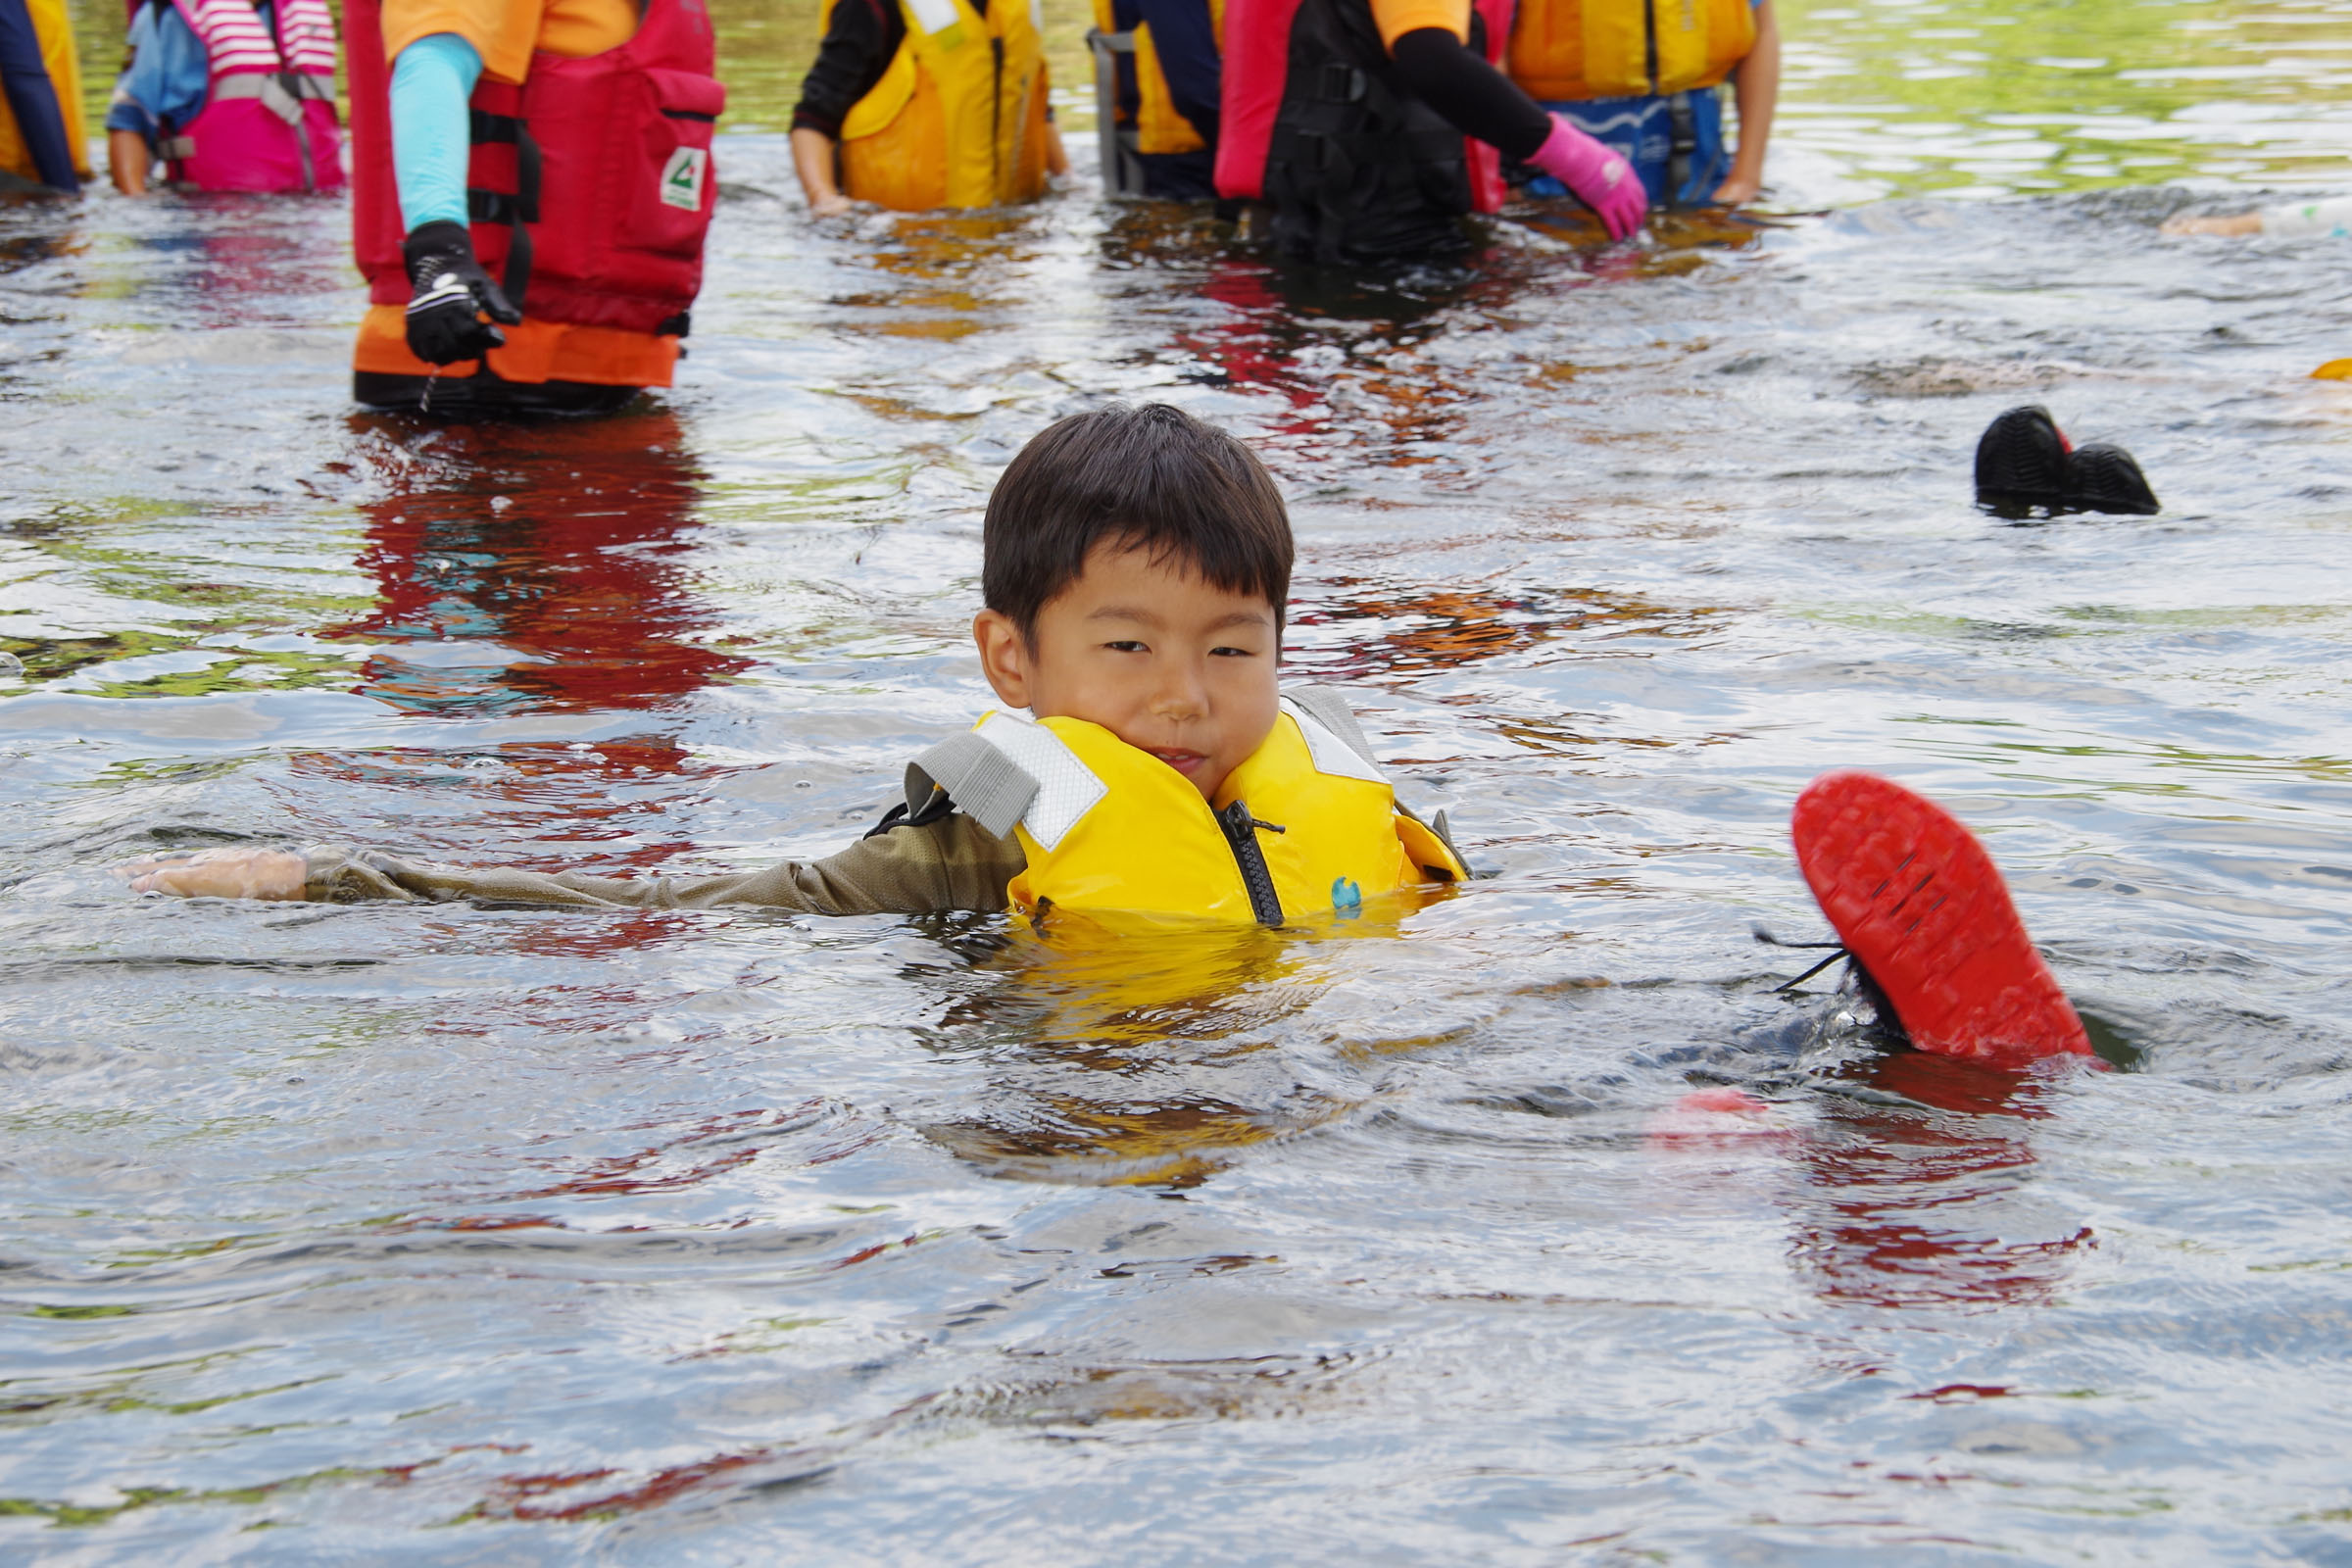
{"x": 1004, "y": 656}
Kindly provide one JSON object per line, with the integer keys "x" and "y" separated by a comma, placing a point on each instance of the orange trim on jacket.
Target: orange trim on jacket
{"x": 535, "y": 351}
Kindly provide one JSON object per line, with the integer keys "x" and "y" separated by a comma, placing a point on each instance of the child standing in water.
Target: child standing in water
{"x": 922, "y": 104}
{"x": 1642, "y": 78}
{"x": 1136, "y": 568}
{"x": 230, "y": 95}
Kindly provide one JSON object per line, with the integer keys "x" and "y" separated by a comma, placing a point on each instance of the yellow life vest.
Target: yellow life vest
{"x": 1159, "y": 127}
{"x": 959, "y": 118}
{"x": 1306, "y": 826}
{"x": 1562, "y": 50}
{"x": 53, "y": 26}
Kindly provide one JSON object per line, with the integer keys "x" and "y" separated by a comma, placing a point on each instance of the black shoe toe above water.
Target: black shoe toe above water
{"x": 2020, "y": 461}
{"x": 2025, "y": 465}
{"x": 2107, "y": 478}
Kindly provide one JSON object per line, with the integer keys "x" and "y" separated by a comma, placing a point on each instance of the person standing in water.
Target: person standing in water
{"x": 915, "y": 105}
{"x": 1641, "y": 76}
{"x": 1165, "y": 61}
{"x": 230, "y": 95}
{"x": 532, "y": 184}
{"x": 40, "y": 98}
{"x": 1369, "y": 128}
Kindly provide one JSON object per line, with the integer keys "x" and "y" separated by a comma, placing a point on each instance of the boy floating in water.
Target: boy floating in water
{"x": 1136, "y": 567}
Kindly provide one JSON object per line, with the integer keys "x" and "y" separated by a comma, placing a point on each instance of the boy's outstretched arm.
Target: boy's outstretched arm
{"x": 952, "y": 863}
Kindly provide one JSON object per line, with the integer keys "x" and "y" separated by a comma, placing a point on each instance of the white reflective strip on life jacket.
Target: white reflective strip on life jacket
{"x": 1331, "y": 753}
{"x": 266, "y": 87}
{"x": 933, "y": 16}
{"x": 1066, "y": 788}
{"x": 257, "y": 84}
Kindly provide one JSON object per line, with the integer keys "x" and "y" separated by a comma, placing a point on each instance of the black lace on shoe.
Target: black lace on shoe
{"x": 1837, "y": 950}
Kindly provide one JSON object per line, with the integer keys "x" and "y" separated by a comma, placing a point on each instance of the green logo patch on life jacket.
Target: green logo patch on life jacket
{"x": 682, "y": 178}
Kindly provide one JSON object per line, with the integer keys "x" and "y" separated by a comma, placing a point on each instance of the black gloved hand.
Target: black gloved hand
{"x": 450, "y": 294}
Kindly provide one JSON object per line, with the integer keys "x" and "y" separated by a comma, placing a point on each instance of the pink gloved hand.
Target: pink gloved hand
{"x": 1601, "y": 180}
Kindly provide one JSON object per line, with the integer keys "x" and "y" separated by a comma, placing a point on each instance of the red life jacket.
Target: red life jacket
{"x": 269, "y": 118}
{"x": 591, "y": 185}
{"x": 1316, "y": 124}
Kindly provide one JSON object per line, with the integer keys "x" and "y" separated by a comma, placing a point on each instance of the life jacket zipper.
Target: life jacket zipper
{"x": 1241, "y": 831}
{"x": 1650, "y": 42}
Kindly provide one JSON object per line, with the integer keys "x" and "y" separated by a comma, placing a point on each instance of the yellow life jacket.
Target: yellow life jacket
{"x": 959, "y": 118}
{"x": 1306, "y": 826}
{"x": 53, "y": 26}
{"x": 1563, "y": 50}
{"x": 1159, "y": 127}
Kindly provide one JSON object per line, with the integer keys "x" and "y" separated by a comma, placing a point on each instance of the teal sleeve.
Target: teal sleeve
{"x": 431, "y": 138}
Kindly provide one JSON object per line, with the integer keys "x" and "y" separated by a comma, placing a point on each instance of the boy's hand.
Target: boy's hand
{"x": 221, "y": 874}
{"x": 1738, "y": 191}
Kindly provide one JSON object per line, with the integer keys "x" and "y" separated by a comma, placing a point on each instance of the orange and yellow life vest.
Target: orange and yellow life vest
{"x": 959, "y": 118}
{"x": 1306, "y": 826}
{"x": 1563, "y": 50}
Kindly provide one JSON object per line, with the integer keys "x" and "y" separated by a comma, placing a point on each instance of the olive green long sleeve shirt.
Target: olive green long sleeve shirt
{"x": 951, "y": 864}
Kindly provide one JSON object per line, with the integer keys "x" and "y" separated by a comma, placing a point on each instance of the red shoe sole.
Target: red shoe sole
{"x": 1920, "y": 906}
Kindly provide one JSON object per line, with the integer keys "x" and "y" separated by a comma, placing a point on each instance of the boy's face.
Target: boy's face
{"x": 1165, "y": 661}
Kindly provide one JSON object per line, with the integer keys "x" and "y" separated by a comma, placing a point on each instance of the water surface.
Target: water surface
{"x": 474, "y": 1235}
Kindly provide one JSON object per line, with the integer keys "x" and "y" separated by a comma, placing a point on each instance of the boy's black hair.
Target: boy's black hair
{"x": 1152, "y": 478}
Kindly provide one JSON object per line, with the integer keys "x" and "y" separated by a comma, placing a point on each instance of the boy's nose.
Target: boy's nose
{"x": 1179, "y": 696}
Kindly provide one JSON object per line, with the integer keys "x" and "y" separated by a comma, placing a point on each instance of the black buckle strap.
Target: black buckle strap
{"x": 489, "y": 205}
{"x": 1682, "y": 120}
{"x": 1341, "y": 83}
{"x": 934, "y": 809}
{"x": 516, "y": 210}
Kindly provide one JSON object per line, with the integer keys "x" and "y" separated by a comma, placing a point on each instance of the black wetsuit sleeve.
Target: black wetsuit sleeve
{"x": 1474, "y": 97}
{"x": 1185, "y": 41}
{"x": 859, "y": 45}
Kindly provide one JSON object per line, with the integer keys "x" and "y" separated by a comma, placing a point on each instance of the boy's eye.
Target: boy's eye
{"x": 1127, "y": 645}
{"x": 1232, "y": 653}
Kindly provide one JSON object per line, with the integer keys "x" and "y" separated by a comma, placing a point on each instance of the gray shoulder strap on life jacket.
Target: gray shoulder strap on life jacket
{"x": 987, "y": 786}
{"x": 1328, "y": 706}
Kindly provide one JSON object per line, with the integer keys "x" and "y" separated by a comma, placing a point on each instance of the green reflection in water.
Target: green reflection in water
{"x": 2001, "y": 96}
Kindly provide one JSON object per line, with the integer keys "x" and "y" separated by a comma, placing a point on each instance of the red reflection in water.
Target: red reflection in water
{"x": 1895, "y": 1206}
{"x": 562, "y": 548}
{"x": 1431, "y": 628}
{"x": 1273, "y": 316}
{"x": 670, "y": 1164}
{"x": 511, "y": 1499}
